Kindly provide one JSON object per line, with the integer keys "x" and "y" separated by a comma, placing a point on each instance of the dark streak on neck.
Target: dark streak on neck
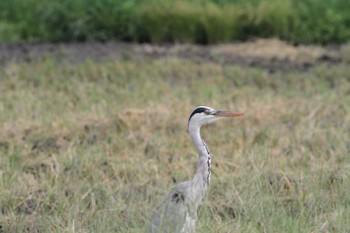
{"x": 208, "y": 161}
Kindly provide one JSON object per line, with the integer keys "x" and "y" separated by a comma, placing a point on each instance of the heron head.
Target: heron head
{"x": 204, "y": 115}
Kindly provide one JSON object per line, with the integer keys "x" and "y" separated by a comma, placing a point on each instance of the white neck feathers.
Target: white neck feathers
{"x": 202, "y": 175}
{"x": 194, "y": 131}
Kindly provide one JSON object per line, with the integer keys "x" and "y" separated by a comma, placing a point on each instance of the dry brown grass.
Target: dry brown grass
{"x": 95, "y": 147}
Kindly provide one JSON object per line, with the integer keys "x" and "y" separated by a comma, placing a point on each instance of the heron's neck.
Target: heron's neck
{"x": 202, "y": 177}
{"x": 199, "y": 144}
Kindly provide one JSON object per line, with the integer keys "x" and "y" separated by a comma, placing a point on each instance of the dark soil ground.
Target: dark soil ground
{"x": 272, "y": 54}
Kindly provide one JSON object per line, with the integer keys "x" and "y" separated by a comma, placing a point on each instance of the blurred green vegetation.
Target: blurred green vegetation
{"x": 194, "y": 21}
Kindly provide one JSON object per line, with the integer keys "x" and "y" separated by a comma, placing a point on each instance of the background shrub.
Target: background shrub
{"x": 194, "y": 21}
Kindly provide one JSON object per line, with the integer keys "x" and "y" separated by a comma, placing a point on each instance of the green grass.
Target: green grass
{"x": 198, "y": 21}
{"x": 94, "y": 147}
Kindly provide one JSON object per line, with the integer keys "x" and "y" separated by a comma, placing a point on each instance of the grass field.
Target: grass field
{"x": 95, "y": 146}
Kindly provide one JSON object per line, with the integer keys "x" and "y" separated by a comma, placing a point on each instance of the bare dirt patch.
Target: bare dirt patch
{"x": 271, "y": 54}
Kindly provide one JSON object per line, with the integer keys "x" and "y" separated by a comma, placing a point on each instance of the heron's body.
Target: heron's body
{"x": 178, "y": 212}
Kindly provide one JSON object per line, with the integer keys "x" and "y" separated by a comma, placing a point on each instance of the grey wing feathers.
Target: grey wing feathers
{"x": 172, "y": 216}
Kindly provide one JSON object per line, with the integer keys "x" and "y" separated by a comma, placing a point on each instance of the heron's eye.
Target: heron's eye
{"x": 206, "y": 112}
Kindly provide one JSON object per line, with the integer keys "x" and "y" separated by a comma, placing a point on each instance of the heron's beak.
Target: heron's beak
{"x": 220, "y": 113}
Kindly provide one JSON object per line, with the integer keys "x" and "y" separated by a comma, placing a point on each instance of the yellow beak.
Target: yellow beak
{"x": 220, "y": 113}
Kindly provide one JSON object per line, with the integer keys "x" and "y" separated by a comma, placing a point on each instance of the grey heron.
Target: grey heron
{"x": 178, "y": 212}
